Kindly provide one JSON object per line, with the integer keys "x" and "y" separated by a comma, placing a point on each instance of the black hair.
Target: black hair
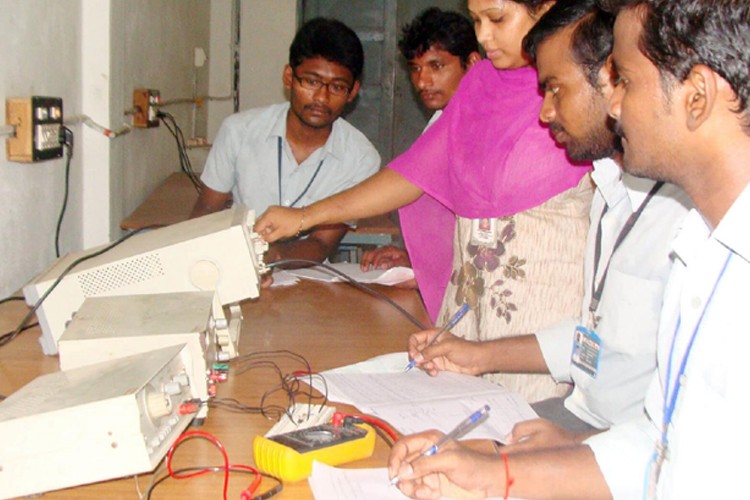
{"x": 445, "y": 30}
{"x": 330, "y": 39}
{"x": 532, "y": 6}
{"x": 592, "y": 38}
{"x": 680, "y": 34}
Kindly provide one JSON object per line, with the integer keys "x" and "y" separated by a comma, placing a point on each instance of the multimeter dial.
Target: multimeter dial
{"x": 290, "y": 456}
{"x": 320, "y": 436}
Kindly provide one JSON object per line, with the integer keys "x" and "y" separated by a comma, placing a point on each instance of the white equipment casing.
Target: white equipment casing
{"x": 107, "y": 328}
{"x": 99, "y": 422}
{"x": 215, "y": 252}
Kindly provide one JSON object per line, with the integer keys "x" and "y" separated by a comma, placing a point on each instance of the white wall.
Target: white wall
{"x": 220, "y": 61}
{"x": 93, "y": 61}
{"x": 153, "y": 44}
{"x": 40, "y": 50}
{"x": 93, "y": 53}
{"x": 267, "y": 30}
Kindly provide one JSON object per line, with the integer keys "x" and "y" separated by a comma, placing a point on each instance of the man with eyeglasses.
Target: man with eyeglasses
{"x": 295, "y": 153}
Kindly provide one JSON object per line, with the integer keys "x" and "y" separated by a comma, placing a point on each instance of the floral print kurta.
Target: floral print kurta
{"x": 528, "y": 277}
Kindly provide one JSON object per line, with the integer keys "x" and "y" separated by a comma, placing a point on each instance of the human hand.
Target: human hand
{"x": 455, "y": 471}
{"x": 448, "y": 353}
{"x": 266, "y": 281}
{"x": 541, "y": 433}
{"x": 279, "y": 222}
{"x": 384, "y": 258}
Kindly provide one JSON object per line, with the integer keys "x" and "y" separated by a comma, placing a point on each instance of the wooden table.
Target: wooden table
{"x": 173, "y": 200}
{"x": 330, "y": 324}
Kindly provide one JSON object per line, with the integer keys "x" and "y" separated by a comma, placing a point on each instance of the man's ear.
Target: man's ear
{"x": 473, "y": 58}
{"x": 700, "y": 94}
{"x": 286, "y": 77}
{"x": 353, "y": 93}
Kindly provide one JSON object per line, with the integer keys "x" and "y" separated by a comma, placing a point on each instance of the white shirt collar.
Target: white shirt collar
{"x": 733, "y": 231}
{"x": 606, "y": 175}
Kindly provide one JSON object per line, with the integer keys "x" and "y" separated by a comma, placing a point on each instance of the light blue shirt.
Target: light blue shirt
{"x": 244, "y": 160}
{"x": 631, "y": 301}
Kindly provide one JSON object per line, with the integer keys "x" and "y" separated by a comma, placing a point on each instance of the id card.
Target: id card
{"x": 586, "y": 349}
{"x": 484, "y": 232}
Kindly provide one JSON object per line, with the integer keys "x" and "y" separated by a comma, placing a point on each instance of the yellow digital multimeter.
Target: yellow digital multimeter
{"x": 290, "y": 456}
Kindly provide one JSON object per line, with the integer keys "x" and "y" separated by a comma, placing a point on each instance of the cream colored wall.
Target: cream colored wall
{"x": 267, "y": 30}
{"x": 93, "y": 53}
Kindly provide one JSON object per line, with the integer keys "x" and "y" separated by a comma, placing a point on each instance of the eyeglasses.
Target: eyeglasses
{"x": 334, "y": 88}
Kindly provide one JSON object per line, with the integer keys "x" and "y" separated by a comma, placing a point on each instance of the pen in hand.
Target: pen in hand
{"x": 454, "y": 320}
{"x": 461, "y": 429}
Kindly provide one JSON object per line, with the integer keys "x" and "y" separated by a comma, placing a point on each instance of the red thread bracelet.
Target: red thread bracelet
{"x": 508, "y": 480}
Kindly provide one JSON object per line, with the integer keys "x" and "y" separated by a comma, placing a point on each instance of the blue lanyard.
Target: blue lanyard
{"x": 304, "y": 191}
{"x": 670, "y": 396}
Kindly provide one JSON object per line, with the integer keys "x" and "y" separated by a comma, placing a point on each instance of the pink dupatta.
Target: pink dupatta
{"x": 486, "y": 156}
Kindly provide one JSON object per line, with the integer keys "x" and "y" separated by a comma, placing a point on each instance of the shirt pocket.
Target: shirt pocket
{"x": 630, "y": 311}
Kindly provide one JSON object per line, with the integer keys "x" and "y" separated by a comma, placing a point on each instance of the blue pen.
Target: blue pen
{"x": 454, "y": 320}
{"x": 461, "y": 429}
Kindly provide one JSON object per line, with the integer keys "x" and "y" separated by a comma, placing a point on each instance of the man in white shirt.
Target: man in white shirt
{"x": 682, "y": 109}
{"x": 295, "y": 153}
{"x": 439, "y": 48}
{"x": 608, "y": 353}
{"x": 683, "y": 114}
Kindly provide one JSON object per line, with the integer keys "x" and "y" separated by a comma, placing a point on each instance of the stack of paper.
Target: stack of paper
{"x": 414, "y": 401}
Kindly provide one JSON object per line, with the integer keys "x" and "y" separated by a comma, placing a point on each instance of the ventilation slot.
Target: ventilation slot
{"x": 121, "y": 274}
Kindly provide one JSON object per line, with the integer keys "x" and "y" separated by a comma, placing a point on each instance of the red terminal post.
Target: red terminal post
{"x": 189, "y": 407}
{"x": 338, "y": 419}
{"x": 217, "y": 376}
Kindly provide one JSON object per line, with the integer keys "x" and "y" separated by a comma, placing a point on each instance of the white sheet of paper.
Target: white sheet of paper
{"x": 414, "y": 401}
{"x": 283, "y": 278}
{"x": 330, "y": 483}
{"x": 388, "y": 277}
{"x": 393, "y": 362}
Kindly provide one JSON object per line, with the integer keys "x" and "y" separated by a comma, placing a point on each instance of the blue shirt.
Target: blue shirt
{"x": 244, "y": 160}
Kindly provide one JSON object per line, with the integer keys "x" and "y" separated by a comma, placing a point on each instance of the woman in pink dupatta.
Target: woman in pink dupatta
{"x": 515, "y": 210}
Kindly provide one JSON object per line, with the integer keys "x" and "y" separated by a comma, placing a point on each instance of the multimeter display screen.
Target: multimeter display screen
{"x": 321, "y": 436}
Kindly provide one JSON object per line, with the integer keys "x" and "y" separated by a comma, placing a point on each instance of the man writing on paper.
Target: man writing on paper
{"x": 682, "y": 109}
{"x": 295, "y": 153}
{"x": 608, "y": 352}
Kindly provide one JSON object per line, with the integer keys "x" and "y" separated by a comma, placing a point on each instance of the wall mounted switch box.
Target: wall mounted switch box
{"x": 146, "y": 104}
{"x": 38, "y": 121}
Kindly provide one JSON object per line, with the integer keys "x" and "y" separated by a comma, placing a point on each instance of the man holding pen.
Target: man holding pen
{"x": 608, "y": 352}
{"x": 682, "y": 111}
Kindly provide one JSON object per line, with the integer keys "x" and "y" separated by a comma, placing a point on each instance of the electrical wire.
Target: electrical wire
{"x": 263, "y": 496}
{"x": 66, "y": 138}
{"x": 288, "y": 384}
{"x": 11, "y": 298}
{"x": 354, "y": 283}
{"x": 109, "y": 133}
{"x": 226, "y": 468}
{"x": 9, "y": 336}
{"x": 185, "y": 163}
{"x": 7, "y": 130}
